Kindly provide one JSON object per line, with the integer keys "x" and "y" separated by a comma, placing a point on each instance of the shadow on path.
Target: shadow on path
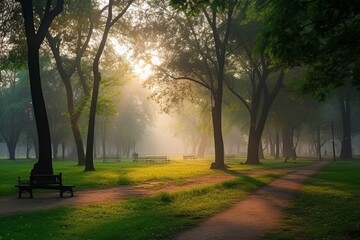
{"x": 257, "y": 214}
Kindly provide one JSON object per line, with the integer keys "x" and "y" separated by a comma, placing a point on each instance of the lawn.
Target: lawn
{"x": 157, "y": 217}
{"x": 328, "y": 206}
{"x": 127, "y": 173}
{"x": 325, "y": 209}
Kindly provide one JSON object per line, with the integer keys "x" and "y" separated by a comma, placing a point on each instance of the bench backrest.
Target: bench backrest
{"x": 45, "y": 179}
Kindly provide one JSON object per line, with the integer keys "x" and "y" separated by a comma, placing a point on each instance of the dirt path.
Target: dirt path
{"x": 11, "y": 205}
{"x": 251, "y": 218}
{"x": 257, "y": 214}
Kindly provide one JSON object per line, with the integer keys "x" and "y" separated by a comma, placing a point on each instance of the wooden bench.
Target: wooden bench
{"x": 189, "y": 157}
{"x": 151, "y": 159}
{"x": 43, "y": 181}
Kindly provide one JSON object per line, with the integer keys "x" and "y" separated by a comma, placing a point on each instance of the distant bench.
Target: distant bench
{"x": 43, "y": 181}
{"x": 189, "y": 157}
{"x": 151, "y": 159}
{"x": 231, "y": 157}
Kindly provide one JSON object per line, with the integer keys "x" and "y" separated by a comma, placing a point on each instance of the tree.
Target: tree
{"x": 195, "y": 52}
{"x": 318, "y": 34}
{"x": 262, "y": 84}
{"x": 34, "y": 40}
{"x": 110, "y": 21}
{"x": 54, "y": 93}
{"x": 69, "y": 47}
{"x": 344, "y": 99}
{"x": 14, "y": 100}
{"x": 133, "y": 116}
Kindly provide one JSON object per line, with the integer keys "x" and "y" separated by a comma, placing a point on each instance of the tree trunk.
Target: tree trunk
{"x": 277, "y": 144}
{"x": 34, "y": 41}
{"x": 55, "y": 150}
{"x": 346, "y": 146}
{"x": 272, "y": 145}
{"x": 44, "y": 163}
{"x": 253, "y": 146}
{"x": 11, "y": 146}
{"x": 261, "y": 150}
{"x": 318, "y": 142}
{"x": 63, "y": 150}
{"x": 218, "y": 137}
{"x": 202, "y": 146}
{"x": 288, "y": 142}
{"x": 104, "y": 141}
{"x": 89, "y": 163}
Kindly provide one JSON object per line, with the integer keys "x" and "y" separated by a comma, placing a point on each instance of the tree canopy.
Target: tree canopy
{"x": 321, "y": 35}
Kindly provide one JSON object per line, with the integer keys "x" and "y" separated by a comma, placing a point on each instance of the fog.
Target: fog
{"x": 160, "y": 139}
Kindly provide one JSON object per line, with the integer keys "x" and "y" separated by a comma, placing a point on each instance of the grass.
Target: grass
{"x": 328, "y": 206}
{"x": 127, "y": 173}
{"x": 157, "y": 217}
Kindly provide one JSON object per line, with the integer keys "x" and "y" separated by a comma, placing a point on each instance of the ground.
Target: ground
{"x": 250, "y": 218}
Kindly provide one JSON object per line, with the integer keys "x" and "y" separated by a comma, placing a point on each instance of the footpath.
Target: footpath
{"x": 12, "y": 204}
{"x": 249, "y": 219}
{"x": 257, "y": 214}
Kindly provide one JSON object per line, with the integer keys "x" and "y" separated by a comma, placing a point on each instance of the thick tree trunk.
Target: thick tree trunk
{"x": 253, "y": 146}
{"x": 34, "y": 40}
{"x": 218, "y": 137}
{"x": 261, "y": 150}
{"x": 288, "y": 142}
{"x": 44, "y": 163}
{"x": 11, "y": 146}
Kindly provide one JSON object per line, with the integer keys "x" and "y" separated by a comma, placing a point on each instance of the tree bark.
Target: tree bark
{"x": 34, "y": 40}
{"x": 218, "y": 137}
{"x": 89, "y": 160}
{"x": 346, "y": 146}
{"x": 277, "y": 144}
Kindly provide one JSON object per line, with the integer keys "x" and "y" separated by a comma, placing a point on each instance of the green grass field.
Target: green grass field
{"x": 126, "y": 172}
{"x": 156, "y": 217}
{"x": 327, "y": 208}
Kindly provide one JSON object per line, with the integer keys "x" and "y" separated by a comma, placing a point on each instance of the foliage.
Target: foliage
{"x": 14, "y": 108}
{"x": 318, "y": 34}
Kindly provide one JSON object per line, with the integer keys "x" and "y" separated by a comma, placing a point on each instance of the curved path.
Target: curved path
{"x": 257, "y": 214}
{"x": 249, "y": 219}
{"x": 12, "y": 204}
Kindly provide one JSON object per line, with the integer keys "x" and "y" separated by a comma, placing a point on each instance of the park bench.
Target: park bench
{"x": 43, "y": 181}
{"x": 151, "y": 159}
{"x": 231, "y": 157}
{"x": 189, "y": 157}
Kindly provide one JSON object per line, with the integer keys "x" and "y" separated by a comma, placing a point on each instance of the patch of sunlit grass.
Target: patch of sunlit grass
{"x": 126, "y": 172}
{"x": 157, "y": 217}
{"x": 327, "y": 207}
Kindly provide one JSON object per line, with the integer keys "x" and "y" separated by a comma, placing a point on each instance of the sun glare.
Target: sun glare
{"x": 144, "y": 69}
